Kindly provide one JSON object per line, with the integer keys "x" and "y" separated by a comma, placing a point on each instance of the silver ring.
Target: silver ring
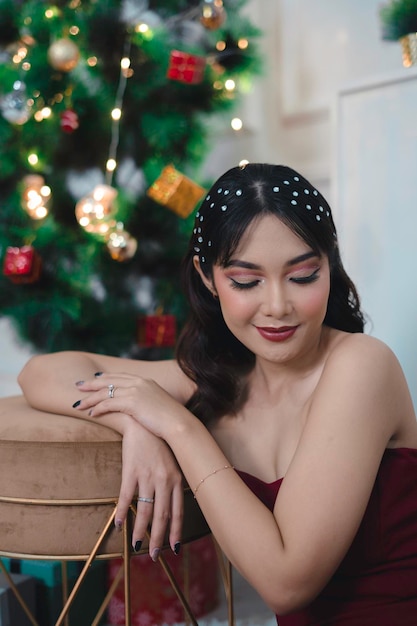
{"x": 111, "y": 391}
{"x": 150, "y": 500}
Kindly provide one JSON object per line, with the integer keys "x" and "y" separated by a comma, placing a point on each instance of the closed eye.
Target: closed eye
{"x": 305, "y": 280}
{"x": 236, "y": 285}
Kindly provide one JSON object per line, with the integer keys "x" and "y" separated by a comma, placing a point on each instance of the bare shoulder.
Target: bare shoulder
{"x": 363, "y": 369}
{"x": 357, "y": 350}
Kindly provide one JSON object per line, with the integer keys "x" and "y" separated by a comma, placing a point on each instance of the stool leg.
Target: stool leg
{"x": 126, "y": 569}
{"x": 64, "y": 580}
{"x": 17, "y": 594}
{"x": 108, "y": 597}
{"x": 226, "y": 571}
{"x": 177, "y": 590}
{"x": 84, "y": 571}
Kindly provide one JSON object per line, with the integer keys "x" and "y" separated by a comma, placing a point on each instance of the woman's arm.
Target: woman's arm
{"x": 49, "y": 383}
{"x": 290, "y": 555}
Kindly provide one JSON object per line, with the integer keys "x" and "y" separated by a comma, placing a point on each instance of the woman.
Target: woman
{"x": 294, "y": 429}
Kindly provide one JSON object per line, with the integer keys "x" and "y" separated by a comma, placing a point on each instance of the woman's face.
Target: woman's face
{"x": 273, "y": 292}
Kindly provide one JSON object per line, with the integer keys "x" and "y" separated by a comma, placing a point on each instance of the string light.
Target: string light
{"x": 36, "y": 196}
{"x": 236, "y": 123}
{"x": 116, "y": 113}
{"x": 33, "y": 159}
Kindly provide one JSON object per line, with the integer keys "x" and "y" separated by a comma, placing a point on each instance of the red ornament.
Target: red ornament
{"x": 157, "y": 331}
{"x": 69, "y": 121}
{"x": 22, "y": 265}
{"x": 186, "y": 68}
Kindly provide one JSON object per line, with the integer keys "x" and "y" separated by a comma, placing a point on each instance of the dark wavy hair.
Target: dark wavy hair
{"x": 207, "y": 351}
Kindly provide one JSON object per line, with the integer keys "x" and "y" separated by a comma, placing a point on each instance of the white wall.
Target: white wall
{"x": 13, "y": 356}
{"x": 312, "y": 49}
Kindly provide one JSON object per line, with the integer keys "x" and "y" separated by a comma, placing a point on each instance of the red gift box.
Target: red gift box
{"x": 155, "y": 331}
{"x": 185, "y": 67}
{"x": 153, "y": 600}
{"x": 22, "y": 265}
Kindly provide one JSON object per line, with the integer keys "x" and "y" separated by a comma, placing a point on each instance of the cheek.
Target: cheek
{"x": 316, "y": 303}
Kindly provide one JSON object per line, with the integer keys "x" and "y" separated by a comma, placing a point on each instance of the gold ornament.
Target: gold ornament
{"x": 36, "y": 196}
{"x": 95, "y": 212}
{"x": 63, "y": 55}
{"x": 175, "y": 191}
{"x": 409, "y": 49}
{"x": 121, "y": 245}
{"x": 213, "y": 14}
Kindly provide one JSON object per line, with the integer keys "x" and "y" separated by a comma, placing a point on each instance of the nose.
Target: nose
{"x": 276, "y": 302}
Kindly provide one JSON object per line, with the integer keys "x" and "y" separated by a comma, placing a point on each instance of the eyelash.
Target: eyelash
{"x": 304, "y": 280}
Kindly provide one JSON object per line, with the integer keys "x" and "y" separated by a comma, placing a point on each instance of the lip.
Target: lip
{"x": 276, "y": 334}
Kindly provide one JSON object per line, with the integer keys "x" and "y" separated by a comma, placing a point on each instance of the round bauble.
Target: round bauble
{"x": 63, "y": 55}
{"x": 121, "y": 245}
{"x": 213, "y": 14}
{"x": 15, "y": 106}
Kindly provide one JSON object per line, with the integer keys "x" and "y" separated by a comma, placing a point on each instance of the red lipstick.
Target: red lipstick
{"x": 276, "y": 334}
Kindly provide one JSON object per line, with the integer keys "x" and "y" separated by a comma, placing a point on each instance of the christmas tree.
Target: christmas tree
{"x": 104, "y": 124}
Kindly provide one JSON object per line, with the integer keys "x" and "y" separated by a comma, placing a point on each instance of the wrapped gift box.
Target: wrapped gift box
{"x": 185, "y": 67}
{"x": 157, "y": 331}
{"x": 153, "y": 600}
{"x": 11, "y": 613}
{"x": 48, "y": 580}
{"x": 175, "y": 191}
{"x": 22, "y": 265}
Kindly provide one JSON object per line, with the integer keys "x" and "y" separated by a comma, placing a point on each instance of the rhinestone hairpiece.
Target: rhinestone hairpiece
{"x": 297, "y": 200}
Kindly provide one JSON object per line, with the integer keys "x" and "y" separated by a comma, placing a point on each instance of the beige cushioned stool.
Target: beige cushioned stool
{"x": 59, "y": 483}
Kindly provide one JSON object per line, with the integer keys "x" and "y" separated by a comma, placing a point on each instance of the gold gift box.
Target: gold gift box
{"x": 176, "y": 191}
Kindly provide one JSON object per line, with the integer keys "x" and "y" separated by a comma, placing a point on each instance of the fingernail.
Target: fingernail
{"x": 98, "y": 374}
{"x": 119, "y": 524}
{"x": 138, "y": 546}
{"x": 79, "y": 383}
{"x": 177, "y": 547}
{"x": 155, "y": 554}
{"x": 74, "y": 406}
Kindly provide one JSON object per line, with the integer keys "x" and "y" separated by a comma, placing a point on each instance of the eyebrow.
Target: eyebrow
{"x": 255, "y": 266}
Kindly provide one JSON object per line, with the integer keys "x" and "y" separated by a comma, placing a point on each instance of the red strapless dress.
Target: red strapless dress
{"x": 376, "y": 583}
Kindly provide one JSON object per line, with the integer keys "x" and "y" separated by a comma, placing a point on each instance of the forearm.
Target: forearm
{"x": 49, "y": 382}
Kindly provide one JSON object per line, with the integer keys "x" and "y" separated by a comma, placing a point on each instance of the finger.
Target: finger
{"x": 127, "y": 491}
{"x": 105, "y": 379}
{"x": 160, "y": 519}
{"x": 177, "y": 516}
{"x": 103, "y": 400}
{"x": 144, "y": 511}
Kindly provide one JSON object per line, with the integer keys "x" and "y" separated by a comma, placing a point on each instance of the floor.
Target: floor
{"x": 249, "y": 609}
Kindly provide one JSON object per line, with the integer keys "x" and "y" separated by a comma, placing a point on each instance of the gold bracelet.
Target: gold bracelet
{"x": 219, "y": 469}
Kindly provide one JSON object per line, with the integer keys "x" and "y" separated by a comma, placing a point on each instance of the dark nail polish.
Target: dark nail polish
{"x": 79, "y": 382}
{"x": 119, "y": 524}
{"x": 138, "y": 546}
{"x": 177, "y": 547}
{"x": 98, "y": 374}
{"x": 155, "y": 554}
{"x": 74, "y": 406}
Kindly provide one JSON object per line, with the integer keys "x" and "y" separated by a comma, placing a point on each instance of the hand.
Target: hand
{"x": 149, "y": 469}
{"x": 143, "y": 399}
